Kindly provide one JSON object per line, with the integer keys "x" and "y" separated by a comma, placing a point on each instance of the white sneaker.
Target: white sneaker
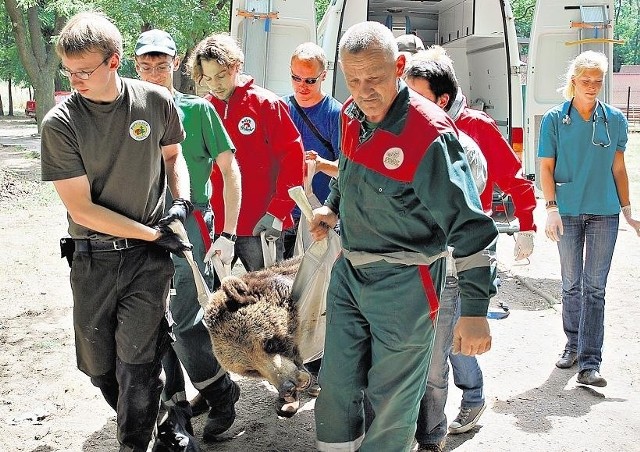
{"x": 467, "y": 419}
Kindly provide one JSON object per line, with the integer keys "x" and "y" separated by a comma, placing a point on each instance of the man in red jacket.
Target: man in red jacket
{"x": 431, "y": 74}
{"x": 503, "y": 166}
{"x": 269, "y": 149}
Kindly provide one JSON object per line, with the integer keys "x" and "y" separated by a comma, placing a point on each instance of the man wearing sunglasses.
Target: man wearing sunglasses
{"x": 207, "y": 142}
{"x": 317, "y": 117}
{"x": 111, "y": 149}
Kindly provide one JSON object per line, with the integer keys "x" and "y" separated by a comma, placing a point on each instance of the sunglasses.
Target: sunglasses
{"x": 308, "y": 81}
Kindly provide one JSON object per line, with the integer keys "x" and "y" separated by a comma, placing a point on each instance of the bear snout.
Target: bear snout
{"x": 290, "y": 388}
{"x": 288, "y": 391}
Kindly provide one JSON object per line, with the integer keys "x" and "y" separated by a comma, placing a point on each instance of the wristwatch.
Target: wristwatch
{"x": 551, "y": 204}
{"x": 231, "y": 237}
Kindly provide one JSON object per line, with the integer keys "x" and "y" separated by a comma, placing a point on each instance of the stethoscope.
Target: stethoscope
{"x": 567, "y": 121}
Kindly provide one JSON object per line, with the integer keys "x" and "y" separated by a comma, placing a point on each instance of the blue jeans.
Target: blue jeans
{"x": 586, "y": 250}
{"x": 467, "y": 375}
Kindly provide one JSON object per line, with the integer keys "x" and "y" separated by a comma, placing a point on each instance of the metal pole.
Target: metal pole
{"x": 628, "y": 100}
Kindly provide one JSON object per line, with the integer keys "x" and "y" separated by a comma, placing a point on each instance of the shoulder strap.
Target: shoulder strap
{"x": 312, "y": 127}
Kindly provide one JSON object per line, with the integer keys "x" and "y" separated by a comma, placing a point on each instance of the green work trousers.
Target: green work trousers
{"x": 380, "y": 331}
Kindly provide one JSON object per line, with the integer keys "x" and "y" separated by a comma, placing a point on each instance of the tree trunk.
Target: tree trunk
{"x": 35, "y": 51}
{"x": 1, "y": 107}
{"x": 185, "y": 83}
{"x": 10, "y": 90}
{"x": 57, "y": 83}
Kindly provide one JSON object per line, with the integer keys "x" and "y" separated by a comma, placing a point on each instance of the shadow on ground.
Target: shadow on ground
{"x": 257, "y": 426}
{"x": 534, "y": 408}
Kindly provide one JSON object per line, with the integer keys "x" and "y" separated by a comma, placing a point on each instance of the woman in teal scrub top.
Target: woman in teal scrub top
{"x": 585, "y": 185}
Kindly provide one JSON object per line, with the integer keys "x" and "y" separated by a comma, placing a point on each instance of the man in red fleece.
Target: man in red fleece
{"x": 268, "y": 148}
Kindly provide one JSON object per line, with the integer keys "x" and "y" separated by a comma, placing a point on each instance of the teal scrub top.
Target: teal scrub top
{"x": 584, "y": 151}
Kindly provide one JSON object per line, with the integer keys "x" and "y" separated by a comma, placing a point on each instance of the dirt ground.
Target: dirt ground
{"x": 46, "y": 404}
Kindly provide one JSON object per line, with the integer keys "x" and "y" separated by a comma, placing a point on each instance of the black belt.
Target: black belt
{"x": 87, "y": 246}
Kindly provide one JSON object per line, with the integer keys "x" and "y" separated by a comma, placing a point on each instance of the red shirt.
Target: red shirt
{"x": 504, "y": 169}
{"x": 269, "y": 152}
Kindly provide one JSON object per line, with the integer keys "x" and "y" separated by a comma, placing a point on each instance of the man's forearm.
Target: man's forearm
{"x": 232, "y": 195}
{"x": 178, "y": 177}
{"x": 101, "y": 219}
{"x": 327, "y": 166}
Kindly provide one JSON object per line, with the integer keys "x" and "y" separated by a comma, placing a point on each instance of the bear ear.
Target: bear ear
{"x": 214, "y": 309}
{"x": 237, "y": 293}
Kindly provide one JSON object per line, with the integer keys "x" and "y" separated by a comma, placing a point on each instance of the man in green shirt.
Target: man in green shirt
{"x": 206, "y": 141}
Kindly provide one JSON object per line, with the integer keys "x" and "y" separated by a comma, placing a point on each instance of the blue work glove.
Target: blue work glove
{"x": 180, "y": 210}
{"x": 271, "y": 226}
{"x": 170, "y": 241}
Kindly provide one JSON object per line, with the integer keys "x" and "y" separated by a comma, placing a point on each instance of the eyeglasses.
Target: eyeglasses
{"x": 161, "y": 68}
{"x": 308, "y": 81}
{"x": 82, "y": 75}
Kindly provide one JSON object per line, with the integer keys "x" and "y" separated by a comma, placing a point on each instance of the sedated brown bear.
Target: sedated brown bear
{"x": 253, "y": 323}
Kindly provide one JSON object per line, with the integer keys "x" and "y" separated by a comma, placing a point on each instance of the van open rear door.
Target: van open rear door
{"x": 479, "y": 36}
{"x": 269, "y": 31}
{"x": 339, "y": 16}
{"x": 561, "y": 30}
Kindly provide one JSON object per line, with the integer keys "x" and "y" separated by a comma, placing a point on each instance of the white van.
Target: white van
{"x": 268, "y": 32}
{"x": 479, "y": 35}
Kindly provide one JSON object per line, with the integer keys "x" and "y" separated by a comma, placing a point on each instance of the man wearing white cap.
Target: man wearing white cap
{"x": 206, "y": 142}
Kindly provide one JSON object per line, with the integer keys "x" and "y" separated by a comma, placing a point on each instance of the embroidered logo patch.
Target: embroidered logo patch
{"x": 139, "y": 129}
{"x": 247, "y": 125}
{"x": 393, "y": 158}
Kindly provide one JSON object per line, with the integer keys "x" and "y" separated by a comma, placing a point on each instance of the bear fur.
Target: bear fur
{"x": 253, "y": 324}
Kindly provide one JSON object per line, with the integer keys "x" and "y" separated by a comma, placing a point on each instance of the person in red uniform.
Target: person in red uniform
{"x": 503, "y": 166}
{"x": 269, "y": 149}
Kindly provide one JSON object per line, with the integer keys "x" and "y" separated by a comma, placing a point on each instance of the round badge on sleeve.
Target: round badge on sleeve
{"x": 139, "y": 129}
{"x": 247, "y": 125}
{"x": 393, "y": 158}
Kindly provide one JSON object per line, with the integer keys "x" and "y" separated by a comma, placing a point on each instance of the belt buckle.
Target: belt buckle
{"x": 117, "y": 247}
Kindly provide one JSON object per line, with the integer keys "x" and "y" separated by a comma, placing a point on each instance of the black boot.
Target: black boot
{"x": 223, "y": 411}
{"x": 199, "y": 405}
{"x": 175, "y": 433}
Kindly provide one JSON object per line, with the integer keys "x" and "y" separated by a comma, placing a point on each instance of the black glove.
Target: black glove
{"x": 180, "y": 210}
{"x": 170, "y": 241}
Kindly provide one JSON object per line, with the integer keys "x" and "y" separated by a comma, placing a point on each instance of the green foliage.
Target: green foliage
{"x": 188, "y": 21}
{"x": 10, "y": 66}
{"x": 627, "y": 27}
{"x": 523, "y": 14}
{"x": 196, "y": 19}
{"x": 321, "y": 7}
